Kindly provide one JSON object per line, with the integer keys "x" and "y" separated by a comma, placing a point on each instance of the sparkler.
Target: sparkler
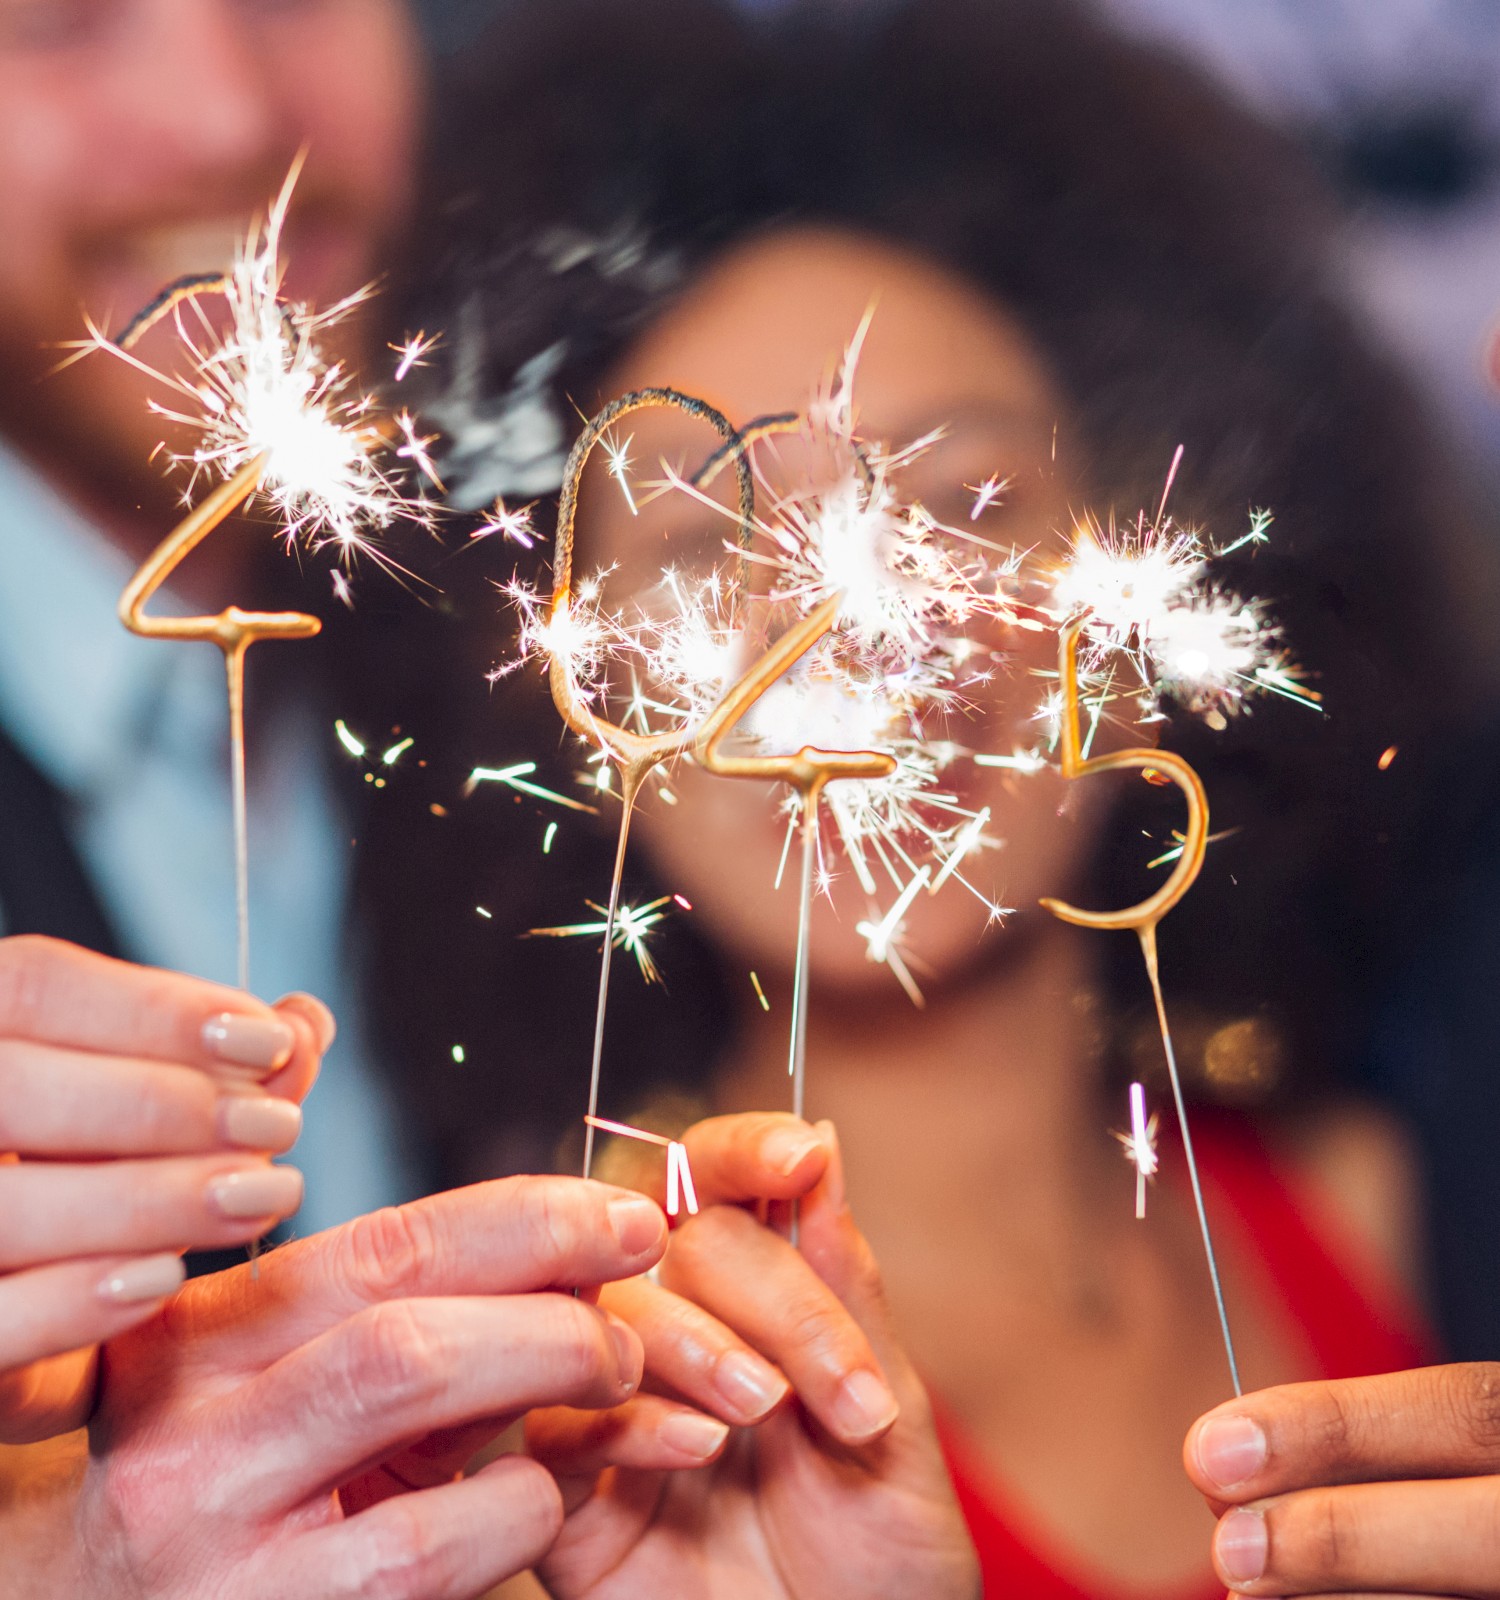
{"x": 1143, "y": 919}
{"x": 273, "y": 419}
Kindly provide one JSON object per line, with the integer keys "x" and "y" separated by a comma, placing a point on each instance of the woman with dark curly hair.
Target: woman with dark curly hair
{"x": 1079, "y": 252}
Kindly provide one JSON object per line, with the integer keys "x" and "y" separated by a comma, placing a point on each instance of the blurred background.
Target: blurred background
{"x": 1399, "y": 104}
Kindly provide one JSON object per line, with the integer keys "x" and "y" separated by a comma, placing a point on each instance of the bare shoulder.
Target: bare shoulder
{"x": 1363, "y": 1166}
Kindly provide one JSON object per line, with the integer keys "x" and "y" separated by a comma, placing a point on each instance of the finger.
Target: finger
{"x": 1431, "y": 1422}
{"x": 399, "y": 1371}
{"x": 315, "y": 1028}
{"x": 755, "y": 1282}
{"x": 510, "y": 1236}
{"x": 450, "y": 1543}
{"x": 49, "y": 1310}
{"x": 1427, "y": 1538}
{"x": 55, "y": 993}
{"x": 758, "y": 1155}
{"x": 695, "y": 1355}
{"x": 53, "y": 1210}
{"x": 59, "y": 1102}
{"x": 646, "y": 1434}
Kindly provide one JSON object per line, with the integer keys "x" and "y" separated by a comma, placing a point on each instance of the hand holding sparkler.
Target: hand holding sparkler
{"x": 845, "y": 1493}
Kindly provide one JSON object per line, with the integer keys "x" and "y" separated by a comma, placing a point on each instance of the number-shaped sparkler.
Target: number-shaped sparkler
{"x": 1143, "y": 919}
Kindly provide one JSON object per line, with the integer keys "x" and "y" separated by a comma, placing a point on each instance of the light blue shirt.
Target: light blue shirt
{"x": 135, "y": 732}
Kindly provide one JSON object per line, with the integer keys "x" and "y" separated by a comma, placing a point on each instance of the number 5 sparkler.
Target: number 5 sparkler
{"x": 1144, "y": 918}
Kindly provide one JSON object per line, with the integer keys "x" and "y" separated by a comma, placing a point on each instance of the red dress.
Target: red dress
{"x": 1354, "y": 1322}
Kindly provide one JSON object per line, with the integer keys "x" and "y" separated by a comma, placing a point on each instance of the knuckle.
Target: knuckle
{"x": 394, "y": 1357}
{"x": 548, "y": 1218}
{"x": 1473, "y": 1397}
{"x": 580, "y": 1352}
{"x": 383, "y": 1253}
{"x": 27, "y": 962}
{"x": 400, "y": 1558}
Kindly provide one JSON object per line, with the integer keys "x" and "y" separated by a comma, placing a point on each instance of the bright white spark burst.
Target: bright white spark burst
{"x": 633, "y": 925}
{"x": 1140, "y": 1145}
{"x": 258, "y": 385}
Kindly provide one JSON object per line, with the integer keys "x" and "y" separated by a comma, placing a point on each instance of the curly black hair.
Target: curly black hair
{"x": 1169, "y": 258}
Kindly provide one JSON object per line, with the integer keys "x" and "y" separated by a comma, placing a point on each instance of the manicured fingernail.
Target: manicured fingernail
{"x": 261, "y": 1044}
{"x": 785, "y": 1149}
{"x": 259, "y": 1122}
{"x": 153, "y": 1278}
{"x": 692, "y": 1435}
{"x": 322, "y": 1019}
{"x": 864, "y": 1407}
{"x": 752, "y": 1388}
{"x": 1241, "y": 1544}
{"x": 833, "y": 1179}
{"x": 628, "y": 1352}
{"x": 260, "y": 1192}
{"x": 1230, "y": 1450}
{"x": 637, "y": 1223}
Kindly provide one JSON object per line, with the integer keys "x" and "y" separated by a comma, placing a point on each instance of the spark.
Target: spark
{"x": 760, "y": 994}
{"x": 515, "y": 777}
{"x": 413, "y": 353}
{"x": 1140, "y": 1145}
{"x": 618, "y": 457}
{"x": 548, "y": 837}
{"x": 1386, "y": 757}
{"x": 257, "y": 386}
{"x": 396, "y": 751}
{"x": 680, "y": 1190}
{"x": 460, "y": 1055}
{"x": 633, "y": 925}
{"x": 353, "y": 745}
{"x": 514, "y": 525}
{"x": 1025, "y": 761}
{"x": 486, "y": 913}
{"x": 986, "y": 494}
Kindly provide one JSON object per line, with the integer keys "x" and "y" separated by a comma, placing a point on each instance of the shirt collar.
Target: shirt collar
{"x": 78, "y": 692}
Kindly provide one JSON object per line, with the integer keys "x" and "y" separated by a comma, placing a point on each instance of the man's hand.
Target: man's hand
{"x": 1368, "y": 1487}
{"x": 832, "y": 1482}
{"x": 299, "y": 1433}
{"x": 138, "y": 1109}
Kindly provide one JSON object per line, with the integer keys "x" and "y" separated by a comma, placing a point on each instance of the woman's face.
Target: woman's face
{"x": 760, "y": 333}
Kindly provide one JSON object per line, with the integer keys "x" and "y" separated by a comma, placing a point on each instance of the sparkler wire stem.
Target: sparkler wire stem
{"x": 631, "y": 789}
{"x": 1147, "y": 935}
{"x": 234, "y": 664}
{"x": 797, "y": 1054}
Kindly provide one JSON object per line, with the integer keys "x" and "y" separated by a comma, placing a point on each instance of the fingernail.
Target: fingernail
{"x": 628, "y": 1352}
{"x": 259, "y": 1192}
{"x": 692, "y": 1435}
{"x": 1241, "y": 1544}
{"x": 153, "y": 1278}
{"x": 324, "y": 1023}
{"x": 752, "y": 1388}
{"x": 833, "y": 1179}
{"x": 637, "y": 1224}
{"x": 1230, "y": 1450}
{"x": 864, "y": 1407}
{"x": 785, "y": 1149}
{"x": 261, "y": 1044}
{"x": 263, "y": 1123}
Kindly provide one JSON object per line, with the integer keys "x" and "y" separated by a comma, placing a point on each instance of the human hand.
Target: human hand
{"x": 299, "y": 1432}
{"x": 1367, "y": 1487}
{"x": 137, "y": 1111}
{"x": 841, "y": 1492}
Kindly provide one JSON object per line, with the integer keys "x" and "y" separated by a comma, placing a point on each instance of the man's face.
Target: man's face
{"x": 138, "y": 138}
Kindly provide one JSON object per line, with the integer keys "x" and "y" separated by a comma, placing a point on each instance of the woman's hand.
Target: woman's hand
{"x": 839, "y": 1491}
{"x": 137, "y": 1112}
{"x": 298, "y": 1433}
{"x": 1366, "y": 1486}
